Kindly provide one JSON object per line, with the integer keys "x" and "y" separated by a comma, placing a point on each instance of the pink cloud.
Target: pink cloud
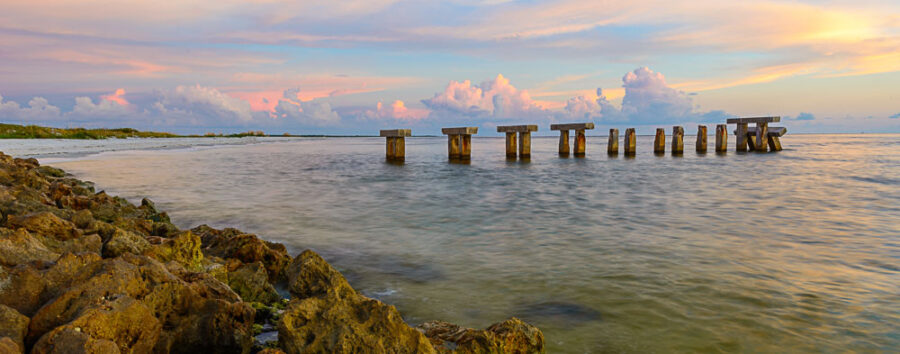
{"x": 117, "y": 97}
{"x": 495, "y": 97}
{"x": 398, "y": 111}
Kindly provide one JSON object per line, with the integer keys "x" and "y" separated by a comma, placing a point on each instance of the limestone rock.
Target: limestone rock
{"x": 309, "y": 275}
{"x": 123, "y": 242}
{"x": 251, "y": 282}
{"x": 247, "y": 248}
{"x": 123, "y": 321}
{"x": 510, "y": 336}
{"x": 183, "y": 248}
{"x": 20, "y": 247}
{"x": 13, "y": 325}
{"x": 46, "y": 224}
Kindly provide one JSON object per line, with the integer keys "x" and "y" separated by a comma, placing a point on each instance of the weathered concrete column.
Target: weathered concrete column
{"x": 677, "y": 140}
{"x": 762, "y": 137}
{"x": 524, "y": 145}
{"x": 564, "y": 142}
{"x": 721, "y": 137}
{"x": 395, "y": 149}
{"x": 459, "y": 142}
{"x": 465, "y": 146}
{"x": 629, "y": 142}
{"x": 775, "y": 134}
{"x": 453, "y": 146}
{"x": 511, "y": 145}
{"x": 580, "y": 140}
{"x": 612, "y": 147}
{"x": 701, "y": 139}
{"x": 741, "y": 137}
{"x": 659, "y": 144}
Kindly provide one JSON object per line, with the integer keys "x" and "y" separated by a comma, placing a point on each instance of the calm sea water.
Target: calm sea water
{"x": 797, "y": 251}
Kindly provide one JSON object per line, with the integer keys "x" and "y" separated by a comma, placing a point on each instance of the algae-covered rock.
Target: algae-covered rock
{"x": 510, "y": 336}
{"x": 20, "y": 247}
{"x": 45, "y": 223}
{"x": 309, "y": 275}
{"x": 13, "y": 325}
{"x": 183, "y": 248}
{"x": 247, "y": 248}
{"x": 122, "y": 242}
{"x": 121, "y": 320}
{"x": 327, "y": 315}
{"x": 251, "y": 282}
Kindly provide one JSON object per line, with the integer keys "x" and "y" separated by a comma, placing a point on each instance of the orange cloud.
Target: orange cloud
{"x": 116, "y": 97}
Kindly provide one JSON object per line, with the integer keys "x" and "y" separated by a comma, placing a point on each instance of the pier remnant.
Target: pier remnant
{"x": 677, "y": 140}
{"x": 721, "y": 138}
{"x": 396, "y": 143}
{"x": 459, "y": 142}
{"x": 580, "y": 140}
{"x": 629, "y": 142}
{"x": 701, "y": 139}
{"x": 659, "y": 144}
{"x": 612, "y": 147}
{"x": 757, "y": 139}
{"x": 524, "y": 146}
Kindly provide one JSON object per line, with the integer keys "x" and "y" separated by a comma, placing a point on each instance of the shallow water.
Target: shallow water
{"x": 782, "y": 252}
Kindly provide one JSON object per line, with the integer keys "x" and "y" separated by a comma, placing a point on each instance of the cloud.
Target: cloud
{"x": 200, "y": 103}
{"x": 896, "y": 116}
{"x": 648, "y": 100}
{"x": 397, "y": 111}
{"x": 38, "y": 110}
{"x": 804, "y": 116}
{"x": 313, "y": 112}
{"x": 113, "y": 105}
{"x": 493, "y": 98}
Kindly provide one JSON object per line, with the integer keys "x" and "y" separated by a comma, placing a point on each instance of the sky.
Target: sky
{"x": 354, "y": 67}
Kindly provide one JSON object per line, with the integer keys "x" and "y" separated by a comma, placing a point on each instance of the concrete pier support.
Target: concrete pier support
{"x": 459, "y": 142}
{"x": 564, "y": 143}
{"x": 612, "y": 147}
{"x": 580, "y": 140}
{"x": 721, "y": 138}
{"x": 629, "y": 143}
{"x": 701, "y": 139}
{"x": 659, "y": 143}
{"x": 395, "y": 149}
{"x": 741, "y": 137}
{"x": 677, "y": 140}
{"x": 524, "y": 141}
{"x": 762, "y": 137}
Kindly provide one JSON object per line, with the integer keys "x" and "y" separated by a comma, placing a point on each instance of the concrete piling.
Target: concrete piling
{"x": 659, "y": 143}
{"x": 395, "y": 149}
{"x": 721, "y": 138}
{"x": 741, "y": 137}
{"x": 511, "y": 145}
{"x": 629, "y": 145}
{"x": 580, "y": 140}
{"x": 524, "y": 145}
{"x": 459, "y": 142}
{"x": 677, "y": 140}
{"x": 612, "y": 147}
{"x": 701, "y": 139}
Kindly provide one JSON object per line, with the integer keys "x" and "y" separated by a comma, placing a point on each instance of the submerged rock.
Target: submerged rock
{"x": 510, "y": 336}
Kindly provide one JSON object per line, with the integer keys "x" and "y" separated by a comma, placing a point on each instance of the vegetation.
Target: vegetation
{"x": 14, "y": 131}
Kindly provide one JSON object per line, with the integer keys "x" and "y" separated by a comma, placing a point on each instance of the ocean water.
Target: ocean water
{"x": 795, "y": 251}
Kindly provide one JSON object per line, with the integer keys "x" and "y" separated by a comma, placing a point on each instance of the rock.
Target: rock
{"x": 13, "y": 325}
{"x": 247, "y": 248}
{"x": 123, "y": 242}
{"x": 51, "y": 171}
{"x": 327, "y": 315}
{"x": 309, "y": 275}
{"x": 21, "y": 289}
{"x": 510, "y": 336}
{"x": 270, "y": 351}
{"x": 70, "y": 340}
{"x": 122, "y": 320}
{"x": 20, "y": 247}
{"x": 251, "y": 282}
{"x": 183, "y": 248}
{"x": 8, "y": 345}
{"x": 46, "y": 224}
{"x": 83, "y": 219}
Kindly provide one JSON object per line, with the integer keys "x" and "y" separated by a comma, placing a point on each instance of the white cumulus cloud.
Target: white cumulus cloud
{"x": 495, "y": 98}
{"x": 314, "y": 112}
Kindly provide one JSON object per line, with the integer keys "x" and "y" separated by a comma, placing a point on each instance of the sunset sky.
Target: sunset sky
{"x": 352, "y": 67}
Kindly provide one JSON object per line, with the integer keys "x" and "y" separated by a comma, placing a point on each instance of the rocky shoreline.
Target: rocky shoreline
{"x": 82, "y": 271}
